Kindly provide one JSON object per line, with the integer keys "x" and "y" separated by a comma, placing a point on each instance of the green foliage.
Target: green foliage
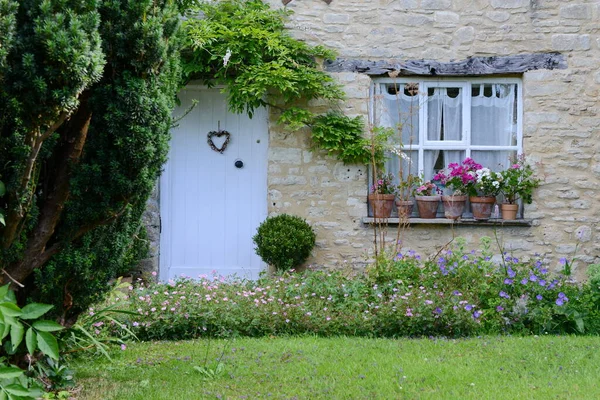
{"x": 93, "y": 330}
{"x": 458, "y": 293}
{"x": 284, "y": 241}
{"x": 2, "y": 193}
{"x": 244, "y": 44}
{"x": 519, "y": 182}
{"x": 119, "y": 62}
{"x": 23, "y": 332}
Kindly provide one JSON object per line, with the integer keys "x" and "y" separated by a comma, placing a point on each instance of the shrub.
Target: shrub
{"x": 284, "y": 241}
{"x": 459, "y": 293}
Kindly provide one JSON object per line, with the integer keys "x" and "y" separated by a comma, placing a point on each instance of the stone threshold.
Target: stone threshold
{"x": 446, "y": 221}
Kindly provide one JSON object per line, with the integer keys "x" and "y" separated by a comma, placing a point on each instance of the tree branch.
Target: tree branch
{"x": 17, "y": 207}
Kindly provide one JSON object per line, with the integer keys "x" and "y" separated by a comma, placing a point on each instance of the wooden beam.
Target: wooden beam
{"x": 513, "y": 64}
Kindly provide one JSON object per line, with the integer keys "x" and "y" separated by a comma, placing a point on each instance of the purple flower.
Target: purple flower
{"x": 437, "y": 310}
{"x": 468, "y": 307}
{"x": 477, "y": 314}
{"x": 524, "y": 281}
{"x": 542, "y": 282}
{"x": 499, "y": 308}
{"x": 511, "y": 273}
{"x": 504, "y": 294}
{"x": 539, "y": 297}
{"x": 533, "y": 278}
{"x": 544, "y": 271}
{"x": 457, "y": 293}
{"x": 562, "y": 299}
{"x": 508, "y": 281}
{"x": 562, "y": 261}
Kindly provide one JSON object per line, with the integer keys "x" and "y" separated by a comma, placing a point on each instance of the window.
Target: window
{"x": 445, "y": 120}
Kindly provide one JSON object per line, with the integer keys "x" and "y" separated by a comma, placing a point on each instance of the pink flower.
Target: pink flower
{"x": 123, "y": 347}
{"x": 515, "y": 166}
{"x": 153, "y": 273}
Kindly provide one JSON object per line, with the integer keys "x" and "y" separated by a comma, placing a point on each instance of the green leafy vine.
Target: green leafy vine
{"x": 244, "y": 45}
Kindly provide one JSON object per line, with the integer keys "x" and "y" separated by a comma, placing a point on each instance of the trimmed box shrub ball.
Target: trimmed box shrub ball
{"x": 284, "y": 241}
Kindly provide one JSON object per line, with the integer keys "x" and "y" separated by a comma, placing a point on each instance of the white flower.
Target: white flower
{"x": 227, "y": 57}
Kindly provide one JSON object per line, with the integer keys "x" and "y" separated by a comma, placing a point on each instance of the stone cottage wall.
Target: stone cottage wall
{"x": 560, "y": 119}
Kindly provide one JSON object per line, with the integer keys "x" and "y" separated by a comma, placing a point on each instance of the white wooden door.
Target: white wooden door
{"x": 210, "y": 208}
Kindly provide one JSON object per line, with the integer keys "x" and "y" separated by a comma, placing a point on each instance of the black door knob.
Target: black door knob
{"x": 239, "y": 164}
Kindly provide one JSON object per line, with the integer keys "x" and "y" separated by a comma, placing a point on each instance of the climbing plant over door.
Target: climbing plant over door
{"x": 244, "y": 44}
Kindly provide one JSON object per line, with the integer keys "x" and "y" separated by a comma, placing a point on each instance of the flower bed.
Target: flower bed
{"x": 458, "y": 293}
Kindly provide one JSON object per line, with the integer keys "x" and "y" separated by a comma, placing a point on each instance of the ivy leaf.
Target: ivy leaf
{"x": 10, "y": 372}
{"x": 48, "y": 344}
{"x": 47, "y": 326}
{"x": 35, "y": 310}
{"x": 16, "y": 335}
{"x": 30, "y": 340}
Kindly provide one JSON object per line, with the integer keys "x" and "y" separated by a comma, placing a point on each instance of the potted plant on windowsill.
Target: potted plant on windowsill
{"x": 406, "y": 191}
{"x": 427, "y": 197}
{"x": 459, "y": 179}
{"x": 518, "y": 182}
{"x": 382, "y": 196}
{"x": 484, "y": 191}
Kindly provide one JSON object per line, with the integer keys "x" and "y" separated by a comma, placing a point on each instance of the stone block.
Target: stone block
{"x": 330, "y": 18}
{"x": 465, "y": 34}
{"x": 498, "y": 16}
{"x": 570, "y": 42}
{"x": 406, "y": 5}
{"x": 509, "y": 4}
{"x": 436, "y": 4}
{"x": 446, "y": 18}
{"x": 285, "y": 155}
{"x": 576, "y": 11}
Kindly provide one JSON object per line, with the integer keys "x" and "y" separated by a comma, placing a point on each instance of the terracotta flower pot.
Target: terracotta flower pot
{"x": 454, "y": 206}
{"x": 381, "y": 204}
{"x": 509, "y": 211}
{"x": 427, "y": 205}
{"x": 482, "y": 206}
{"x": 405, "y": 208}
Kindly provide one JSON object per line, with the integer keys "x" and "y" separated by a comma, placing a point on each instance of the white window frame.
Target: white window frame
{"x": 464, "y": 83}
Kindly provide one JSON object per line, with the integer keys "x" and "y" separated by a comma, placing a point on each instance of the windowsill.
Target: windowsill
{"x": 446, "y": 221}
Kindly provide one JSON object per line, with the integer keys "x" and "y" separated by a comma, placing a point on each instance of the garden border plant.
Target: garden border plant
{"x": 455, "y": 293}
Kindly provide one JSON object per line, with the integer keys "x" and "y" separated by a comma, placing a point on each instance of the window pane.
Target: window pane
{"x": 400, "y": 110}
{"x": 435, "y": 160}
{"x": 494, "y": 114}
{"x": 494, "y": 160}
{"x": 403, "y": 163}
{"x": 444, "y": 113}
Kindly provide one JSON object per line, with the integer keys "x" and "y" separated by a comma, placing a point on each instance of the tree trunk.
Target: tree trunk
{"x": 36, "y": 253}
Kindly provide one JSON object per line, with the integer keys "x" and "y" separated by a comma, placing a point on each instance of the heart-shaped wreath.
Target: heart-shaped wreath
{"x": 218, "y": 134}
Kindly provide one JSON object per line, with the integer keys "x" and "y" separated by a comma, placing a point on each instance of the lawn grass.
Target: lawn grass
{"x": 546, "y": 367}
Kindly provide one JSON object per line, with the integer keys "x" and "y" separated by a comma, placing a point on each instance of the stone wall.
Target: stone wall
{"x": 560, "y": 118}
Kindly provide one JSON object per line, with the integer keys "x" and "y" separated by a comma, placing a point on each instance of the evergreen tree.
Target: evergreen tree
{"x": 86, "y": 93}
